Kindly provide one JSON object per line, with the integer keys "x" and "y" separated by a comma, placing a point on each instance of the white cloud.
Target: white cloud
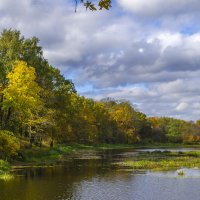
{"x": 182, "y": 106}
{"x": 167, "y": 39}
{"x": 159, "y": 7}
{"x": 157, "y": 47}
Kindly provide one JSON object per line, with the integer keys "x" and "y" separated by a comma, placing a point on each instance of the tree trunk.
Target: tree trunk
{"x": 1, "y": 110}
{"x": 8, "y": 115}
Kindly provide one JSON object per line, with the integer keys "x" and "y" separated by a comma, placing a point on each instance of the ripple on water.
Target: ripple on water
{"x": 169, "y": 149}
{"x": 180, "y": 173}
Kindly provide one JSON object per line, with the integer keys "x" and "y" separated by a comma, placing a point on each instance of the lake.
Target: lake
{"x": 94, "y": 176}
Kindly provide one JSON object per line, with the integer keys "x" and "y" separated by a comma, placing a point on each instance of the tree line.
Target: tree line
{"x": 38, "y": 104}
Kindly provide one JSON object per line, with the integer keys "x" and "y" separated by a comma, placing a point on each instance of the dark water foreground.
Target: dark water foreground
{"x": 94, "y": 177}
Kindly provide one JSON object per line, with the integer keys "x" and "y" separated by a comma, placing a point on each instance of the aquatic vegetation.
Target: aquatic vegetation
{"x": 162, "y": 161}
{"x": 180, "y": 172}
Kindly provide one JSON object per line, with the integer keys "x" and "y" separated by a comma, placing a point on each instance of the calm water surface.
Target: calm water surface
{"x": 170, "y": 149}
{"x": 96, "y": 178}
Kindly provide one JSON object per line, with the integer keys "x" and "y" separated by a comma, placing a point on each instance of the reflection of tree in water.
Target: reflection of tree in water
{"x": 61, "y": 182}
{"x": 88, "y": 179}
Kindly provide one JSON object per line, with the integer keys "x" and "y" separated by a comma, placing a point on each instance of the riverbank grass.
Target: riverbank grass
{"x": 47, "y": 155}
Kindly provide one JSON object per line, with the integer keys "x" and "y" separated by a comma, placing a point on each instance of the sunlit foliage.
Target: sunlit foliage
{"x": 9, "y": 144}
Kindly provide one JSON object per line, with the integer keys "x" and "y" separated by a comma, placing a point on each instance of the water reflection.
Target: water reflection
{"x": 95, "y": 178}
{"x": 169, "y": 149}
{"x": 138, "y": 187}
{"x": 180, "y": 173}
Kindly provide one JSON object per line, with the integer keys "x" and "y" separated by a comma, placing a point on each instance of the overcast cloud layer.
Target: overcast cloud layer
{"x": 145, "y": 51}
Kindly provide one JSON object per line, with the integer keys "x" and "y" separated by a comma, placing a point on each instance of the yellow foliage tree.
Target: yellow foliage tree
{"x": 22, "y": 95}
{"x": 126, "y": 118}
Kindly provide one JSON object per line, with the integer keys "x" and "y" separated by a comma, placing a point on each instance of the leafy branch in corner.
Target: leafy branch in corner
{"x": 103, "y": 4}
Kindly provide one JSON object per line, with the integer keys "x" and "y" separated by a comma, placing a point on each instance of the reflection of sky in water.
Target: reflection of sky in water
{"x": 187, "y": 173}
{"x": 95, "y": 179}
{"x": 138, "y": 187}
{"x": 172, "y": 150}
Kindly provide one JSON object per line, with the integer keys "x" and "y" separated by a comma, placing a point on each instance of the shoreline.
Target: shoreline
{"x": 49, "y": 157}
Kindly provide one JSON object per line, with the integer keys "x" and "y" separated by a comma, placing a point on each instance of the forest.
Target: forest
{"x": 39, "y": 106}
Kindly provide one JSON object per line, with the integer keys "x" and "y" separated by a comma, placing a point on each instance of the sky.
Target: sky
{"x": 147, "y": 52}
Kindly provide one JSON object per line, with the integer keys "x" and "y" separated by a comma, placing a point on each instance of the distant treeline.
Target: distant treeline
{"x": 37, "y": 103}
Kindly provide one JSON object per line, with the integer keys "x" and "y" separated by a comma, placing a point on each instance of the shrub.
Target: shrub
{"x": 9, "y": 144}
{"x": 4, "y": 167}
{"x": 5, "y": 171}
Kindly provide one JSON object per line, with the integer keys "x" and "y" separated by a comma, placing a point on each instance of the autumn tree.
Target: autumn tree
{"x": 13, "y": 47}
{"x": 22, "y": 102}
{"x": 126, "y": 118}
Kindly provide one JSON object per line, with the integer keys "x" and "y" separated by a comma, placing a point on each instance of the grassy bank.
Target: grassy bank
{"x": 162, "y": 161}
{"x": 5, "y": 171}
{"x": 47, "y": 155}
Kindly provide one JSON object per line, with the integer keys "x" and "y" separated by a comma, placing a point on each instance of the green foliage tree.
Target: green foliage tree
{"x": 175, "y": 130}
{"x": 198, "y": 122}
{"x": 143, "y": 127}
{"x": 13, "y": 47}
{"x": 9, "y": 145}
{"x": 36, "y": 100}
